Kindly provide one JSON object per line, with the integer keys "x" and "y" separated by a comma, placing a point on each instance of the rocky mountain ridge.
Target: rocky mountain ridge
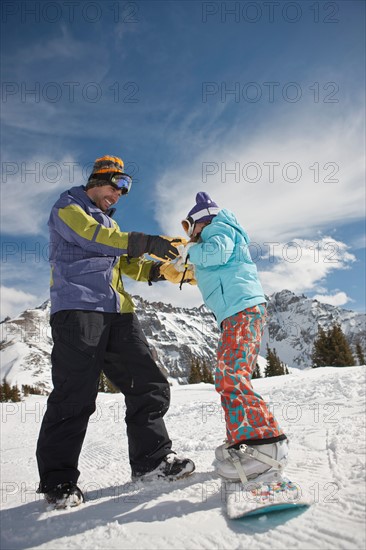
{"x": 174, "y": 334}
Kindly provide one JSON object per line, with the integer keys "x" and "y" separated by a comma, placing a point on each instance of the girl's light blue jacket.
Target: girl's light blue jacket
{"x": 226, "y": 275}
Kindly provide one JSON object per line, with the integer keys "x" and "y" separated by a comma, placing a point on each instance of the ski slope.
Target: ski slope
{"x": 322, "y": 411}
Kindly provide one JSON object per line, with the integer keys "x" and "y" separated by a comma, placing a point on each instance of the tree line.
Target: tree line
{"x": 13, "y": 393}
{"x": 200, "y": 371}
{"x": 331, "y": 349}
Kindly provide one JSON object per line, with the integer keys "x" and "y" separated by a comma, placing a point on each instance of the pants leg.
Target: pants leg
{"x": 79, "y": 342}
{"x": 247, "y": 416}
{"x": 130, "y": 366}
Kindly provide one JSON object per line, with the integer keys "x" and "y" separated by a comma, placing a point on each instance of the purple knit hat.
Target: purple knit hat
{"x": 205, "y": 208}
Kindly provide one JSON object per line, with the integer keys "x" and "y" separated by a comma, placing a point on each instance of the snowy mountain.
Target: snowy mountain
{"x": 322, "y": 411}
{"x": 173, "y": 334}
{"x": 176, "y": 333}
{"x": 293, "y": 325}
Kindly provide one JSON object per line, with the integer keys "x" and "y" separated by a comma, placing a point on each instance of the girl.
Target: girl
{"x": 229, "y": 283}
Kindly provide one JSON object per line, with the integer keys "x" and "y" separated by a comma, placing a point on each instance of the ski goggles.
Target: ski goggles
{"x": 121, "y": 181}
{"x": 188, "y": 225}
{"x": 118, "y": 180}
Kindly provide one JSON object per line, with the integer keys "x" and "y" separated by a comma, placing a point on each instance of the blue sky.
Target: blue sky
{"x": 260, "y": 104}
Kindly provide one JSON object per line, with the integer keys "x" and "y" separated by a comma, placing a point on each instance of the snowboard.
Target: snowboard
{"x": 262, "y": 498}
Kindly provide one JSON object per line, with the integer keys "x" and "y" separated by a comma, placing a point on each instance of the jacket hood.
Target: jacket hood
{"x": 228, "y": 218}
{"x": 77, "y": 193}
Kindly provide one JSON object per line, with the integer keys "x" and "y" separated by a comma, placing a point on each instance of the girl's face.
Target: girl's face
{"x": 198, "y": 228}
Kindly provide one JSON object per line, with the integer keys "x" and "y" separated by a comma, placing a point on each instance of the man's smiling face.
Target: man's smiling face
{"x": 104, "y": 196}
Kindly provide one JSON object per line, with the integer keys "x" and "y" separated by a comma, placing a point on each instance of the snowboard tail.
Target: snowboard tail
{"x": 255, "y": 499}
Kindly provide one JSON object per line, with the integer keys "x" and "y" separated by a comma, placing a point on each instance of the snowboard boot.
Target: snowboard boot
{"x": 221, "y": 451}
{"x": 249, "y": 462}
{"x": 65, "y": 495}
{"x": 170, "y": 468}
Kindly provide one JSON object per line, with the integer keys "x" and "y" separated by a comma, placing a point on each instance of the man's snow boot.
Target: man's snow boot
{"x": 250, "y": 462}
{"x": 170, "y": 468}
{"x": 65, "y": 495}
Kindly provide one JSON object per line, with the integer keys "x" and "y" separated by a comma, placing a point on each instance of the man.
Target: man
{"x": 256, "y": 447}
{"x": 94, "y": 328}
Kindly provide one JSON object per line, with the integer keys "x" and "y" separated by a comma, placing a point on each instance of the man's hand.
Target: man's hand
{"x": 164, "y": 248}
{"x": 155, "y": 274}
{"x": 175, "y": 242}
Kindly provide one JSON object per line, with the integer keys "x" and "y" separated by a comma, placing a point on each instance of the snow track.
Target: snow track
{"x": 322, "y": 412}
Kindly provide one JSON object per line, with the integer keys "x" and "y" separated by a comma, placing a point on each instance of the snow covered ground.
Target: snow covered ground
{"x": 322, "y": 411}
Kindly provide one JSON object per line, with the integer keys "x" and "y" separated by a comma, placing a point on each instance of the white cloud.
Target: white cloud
{"x": 14, "y": 301}
{"x": 337, "y": 299}
{"x": 24, "y": 63}
{"x": 308, "y": 167}
{"x": 300, "y": 266}
{"x": 51, "y": 84}
{"x": 303, "y": 265}
{"x": 359, "y": 242}
{"x": 30, "y": 187}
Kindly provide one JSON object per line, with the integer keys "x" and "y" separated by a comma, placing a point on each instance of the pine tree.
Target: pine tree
{"x": 31, "y": 390}
{"x": 256, "y": 372}
{"x": 9, "y": 393}
{"x": 274, "y": 366}
{"x": 282, "y": 368}
{"x": 195, "y": 375}
{"x": 206, "y": 373}
{"x": 15, "y": 394}
{"x": 342, "y": 356}
{"x": 268, "y": 371}
{"x": 199, "y": 371}
{"x": 360, "y": 355}
{"x": 110, "y": 387}
{"x": 105, "y": 385}
{"x": 331, "y": 348}
{"x": 101, "y": 387}
{"x": 321, "y": 353}
{"x": 4, "y": 391}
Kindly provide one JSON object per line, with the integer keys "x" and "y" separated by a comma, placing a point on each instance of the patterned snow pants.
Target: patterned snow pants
{"x": 246, "y": 414}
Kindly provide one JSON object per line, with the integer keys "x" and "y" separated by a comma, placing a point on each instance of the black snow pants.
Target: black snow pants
{"x": 85, "y": 343}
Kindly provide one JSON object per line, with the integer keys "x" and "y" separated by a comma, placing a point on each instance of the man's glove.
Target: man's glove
{"x": 155, "y": 274}
{"x": 164, "y": 248}
{"x": 170, "y": 273}
{"x": 174, "y": 241}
